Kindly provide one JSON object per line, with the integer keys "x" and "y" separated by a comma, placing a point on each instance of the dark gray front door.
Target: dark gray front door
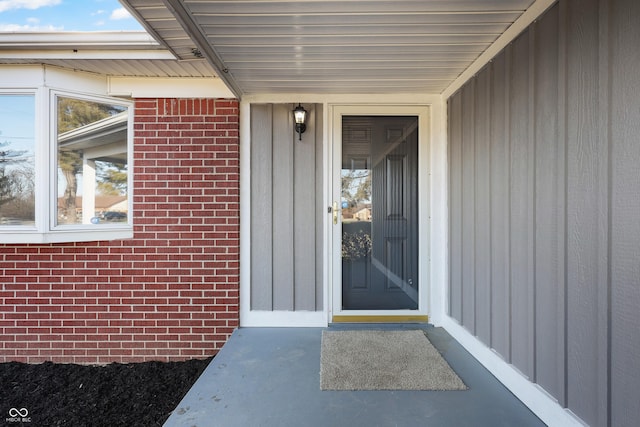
{"x": 379, "y": 197}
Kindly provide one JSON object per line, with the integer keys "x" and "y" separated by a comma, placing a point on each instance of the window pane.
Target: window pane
{"x": 92, "y": 162}
{"x": 17, "y": 160}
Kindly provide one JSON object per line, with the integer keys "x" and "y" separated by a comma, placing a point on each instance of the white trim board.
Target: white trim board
{"x": 283, "y": 319}
{"x": 169, "y": 87}
{"x": 438, "y": 212}
{"x": 245, "y": 214}
{"x": 532, "y": 395}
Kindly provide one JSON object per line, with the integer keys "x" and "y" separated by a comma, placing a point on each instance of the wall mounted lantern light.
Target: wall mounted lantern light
{"x": 300, "y": 118}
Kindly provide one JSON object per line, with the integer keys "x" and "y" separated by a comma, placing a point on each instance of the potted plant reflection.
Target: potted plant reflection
{"x": 356, "y": 227}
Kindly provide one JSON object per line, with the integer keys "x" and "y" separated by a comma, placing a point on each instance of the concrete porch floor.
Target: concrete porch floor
{"x": 271, "y": 377}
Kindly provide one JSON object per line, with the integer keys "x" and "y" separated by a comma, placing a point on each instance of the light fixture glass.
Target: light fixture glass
{"x": 300, "y": 117}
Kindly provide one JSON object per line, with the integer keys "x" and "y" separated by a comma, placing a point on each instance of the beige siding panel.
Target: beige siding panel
{"x": 549, "y": 161}
{"x": 468, "y": 208}
{"x": 305, "y": 255}
{"x": 455, "y": 204}
{"x": 625, "y": 212}
{"x": 564, "y": 197}
{"x": 520, "y": 198}
{"x": 586, "y": 213}
{"x": 483, "y": 206}
{"x": 283, "y": 206}
{"x": 261, "y": 207}
{"x": 500, "y": 201}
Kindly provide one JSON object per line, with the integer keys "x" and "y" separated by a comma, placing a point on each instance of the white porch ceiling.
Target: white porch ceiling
{"x": 331, "y": 46}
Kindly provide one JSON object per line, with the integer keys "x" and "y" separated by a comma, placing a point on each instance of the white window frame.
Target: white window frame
{"x": 45, "y": 123}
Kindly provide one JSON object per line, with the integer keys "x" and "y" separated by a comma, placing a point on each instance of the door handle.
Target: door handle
{"x": 335, "y": 213}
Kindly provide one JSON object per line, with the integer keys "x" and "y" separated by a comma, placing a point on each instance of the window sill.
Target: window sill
{"x": 66, "y": 236}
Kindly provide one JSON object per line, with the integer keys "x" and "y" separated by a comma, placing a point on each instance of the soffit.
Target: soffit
{"x": 124, "y": 67}
{"x": 126, "y": 54}
{"x": 331, "y": 46}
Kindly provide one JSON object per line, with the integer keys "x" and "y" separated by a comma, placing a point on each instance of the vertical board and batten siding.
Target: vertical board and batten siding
{"x": 468, "y": 211}
{"x": 545, "y": 207}
{"x": 586, "y": 253}
{"x": 482, "y": 209}
{"x": 286, "y": 201}
{"x": 624, "y": 219}
{"x": 455, "y": 209}
{"x": 261, "y": 207}
{"x": 499, "y": 204}
{"x": 549, "y": 207}
{"x": 520, "y": 205}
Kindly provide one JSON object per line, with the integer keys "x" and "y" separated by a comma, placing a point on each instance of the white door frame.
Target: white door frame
{"x": 334, "y": 235}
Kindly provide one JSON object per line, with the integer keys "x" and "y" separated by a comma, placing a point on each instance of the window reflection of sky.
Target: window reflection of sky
{"x": 17, "y": 158}
{"x": 17, "y": 125}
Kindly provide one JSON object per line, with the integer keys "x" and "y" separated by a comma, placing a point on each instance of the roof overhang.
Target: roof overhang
{"x": 101, "y": 40}
{"x": 328, "y": 47}
{"x": 337, "y": 46}
{"x": 121, "y": 53}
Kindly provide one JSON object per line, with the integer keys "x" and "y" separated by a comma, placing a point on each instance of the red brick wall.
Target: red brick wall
{"x": 171, "y": 292}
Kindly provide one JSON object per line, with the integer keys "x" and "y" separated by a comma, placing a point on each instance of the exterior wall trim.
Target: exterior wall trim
{"x": 168, "y": 87}
{"x": 281, "y": 319}
{"x": 532, "y": 395}
{"x": 245, "y": 215}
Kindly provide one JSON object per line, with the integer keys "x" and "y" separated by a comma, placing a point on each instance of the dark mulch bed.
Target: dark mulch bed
{"x": 136, "y": 394}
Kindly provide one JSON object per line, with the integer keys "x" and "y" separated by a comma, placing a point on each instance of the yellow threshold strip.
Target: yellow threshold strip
{"x": 381, "y": 319}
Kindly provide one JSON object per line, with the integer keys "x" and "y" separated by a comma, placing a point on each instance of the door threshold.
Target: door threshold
{"x": 380, "y": 319}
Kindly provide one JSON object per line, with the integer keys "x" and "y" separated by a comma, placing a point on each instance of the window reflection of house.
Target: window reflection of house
{"x": 104, "y": 140}
{"x": 363, "y": 214}
{"x": 103, "y": 204}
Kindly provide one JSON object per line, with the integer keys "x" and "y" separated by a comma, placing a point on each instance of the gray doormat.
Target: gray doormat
{"x": 383, "y": 360}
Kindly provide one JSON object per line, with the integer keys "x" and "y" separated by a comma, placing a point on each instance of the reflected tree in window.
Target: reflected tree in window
{"x": 17, "y": 190}
{"x": 17, "y": 163}
{"x": 112, "y": 178}
{"x": 92, "y": 158}
{"x": 6, "y": 182}
{"x": 356, "y": 187}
